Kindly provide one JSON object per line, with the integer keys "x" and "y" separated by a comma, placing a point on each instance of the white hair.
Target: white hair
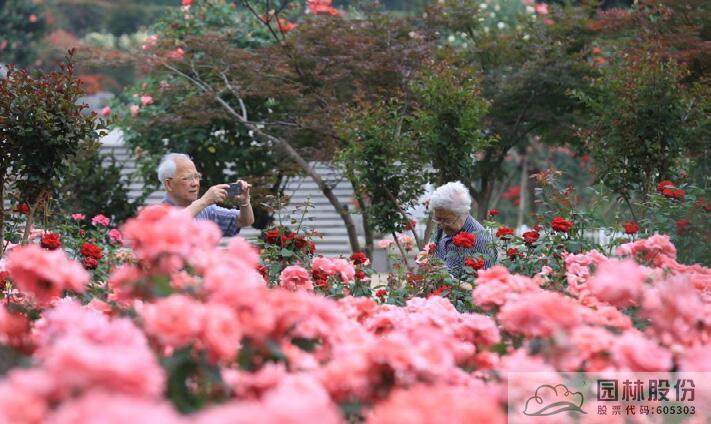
{"x": 453, "y": 197}
{"x": 167, "y": 166}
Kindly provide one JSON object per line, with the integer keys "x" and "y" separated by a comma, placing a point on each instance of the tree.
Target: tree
{"x": 23, "y": 25}
{"x": 383, "y": 162}
{"x": 643, "y": 121}
{"x": 41, "y": 129}
{"x": 286, "y": 93}
{"x": 527, "y": 69}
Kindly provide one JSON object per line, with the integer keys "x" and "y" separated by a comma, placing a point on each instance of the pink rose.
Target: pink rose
{"x": 134, "y": 110}
{"x": 45, "y": 274}
{"x": 294, "y": 278}
{"x": 100, "y": 220}
{"x": 541, "y": 9}
{"x": 146, "y": 100}
{"x": 384, "y": 244}
{"x": 175, "y": 320}
{"x": 115, "y": 235}
{"x": 619, "y": 283}
{"x": 78, "y": 216}
{"x": 105, "y": 112}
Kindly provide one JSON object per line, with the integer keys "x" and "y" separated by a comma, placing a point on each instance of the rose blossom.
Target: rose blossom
{"x": 91, "y": 251}
{"x": 541, "y": 8}
{"x": 618, "y": 283}
{"x": 22, "y": 208}
{"x": 45, "y": 274}
{"x": 294, "y": 278}
{"x": 407, "y": 242}
{"x": 631, "y": 227}
{"x": 100, "y": 220}
{"x": 78, "y": 216}
{"x": 504, "y": 233}
{"x": 633, "y": 351}
{"x": 530, "y": 237}
{"x": 115, "y": 235}
{"x": 175, "y": 320}
{"x": 561, "y": 225}
{"x": 359, "y": 258}
{"x": 539, "y": 314}
{"x": 221, "y": 333}
{"x": 90, "y": 263}
{"x": 111, "y": 408}
{"x": 476, "y": 264}
{"x": 464, "y": 240}
{"x": 384, "y": 244}
{"x": 106, "y": 111}
{"x": 51, "y": 241}
{"x": 424, "y": 404}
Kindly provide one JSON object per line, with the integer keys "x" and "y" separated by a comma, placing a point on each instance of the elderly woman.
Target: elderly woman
{"x": 459, "y": 235}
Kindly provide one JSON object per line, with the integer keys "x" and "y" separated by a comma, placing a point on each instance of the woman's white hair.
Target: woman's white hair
{"x": 167, "y": 166}
{"x": 453, "y": 197}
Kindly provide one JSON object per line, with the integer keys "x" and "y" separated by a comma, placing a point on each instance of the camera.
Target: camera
{"x": 234, "y": 190}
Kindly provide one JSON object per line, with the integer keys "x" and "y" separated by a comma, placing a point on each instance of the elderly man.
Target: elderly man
{"x": 451, "y": 204}
{"x": 182, "y": 184}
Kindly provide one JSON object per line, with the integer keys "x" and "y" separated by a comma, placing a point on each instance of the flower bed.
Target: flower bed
{"x": 184, "y": 331}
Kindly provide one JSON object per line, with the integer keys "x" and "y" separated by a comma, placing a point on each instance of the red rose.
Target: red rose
{"x": 411, "y": 225}
{"x": 493, "y": 212}
{"x": 631, "y": 227}
{"x": 464, "y": 239}
{"x": 476, "y": 264}
{"x": 22, "y": 208}
{"x": 286, "y": 238}
{"x": 512, "y": 253}
{"x": 263, "y": 271}
{"x": 300, "y": 243}
{"x": 50, "y": 241}
{"x": 312, "y": 248}
{"x": 381, "y": 294}
{"x": 90, "y": 263}
{"x": 537, "y": 227}
{"x": 665, "y": 184}
{"x": 440, "y": 290}
{"x": 91, "y": 251}
{"x": 504, "y": 233}
{"x": 682, "y": 226}
{"x": 359, "y": 258}
{"x": 561, "y": 224}
{"x": 319, "y": 274}
{"x": 322, "y": 284}
{"x": 360, "y": 275}
{"x": 530, "y": 237}
{"x": 674, "y": 193}
{"x": 271, "y": 236}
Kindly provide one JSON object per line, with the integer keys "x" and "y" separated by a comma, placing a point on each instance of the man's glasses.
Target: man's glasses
{"x": 190, "y": 178}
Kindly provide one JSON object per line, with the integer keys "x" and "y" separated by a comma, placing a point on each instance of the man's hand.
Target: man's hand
{"x": 243, "y": 197}
{"x": 215, "y": 194}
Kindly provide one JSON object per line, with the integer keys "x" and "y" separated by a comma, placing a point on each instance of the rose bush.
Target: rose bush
{"x": 191, "y": 332}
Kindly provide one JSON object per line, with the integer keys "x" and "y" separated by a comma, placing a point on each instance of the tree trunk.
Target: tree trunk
{"x": 487, "y": 189}
{"x": 367, "y": 228}
{"x": 296, "y": 157}
{"x": 404, "y": 215}
{"x": 428, "y": 228}
{"x": 524, "y": 189}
